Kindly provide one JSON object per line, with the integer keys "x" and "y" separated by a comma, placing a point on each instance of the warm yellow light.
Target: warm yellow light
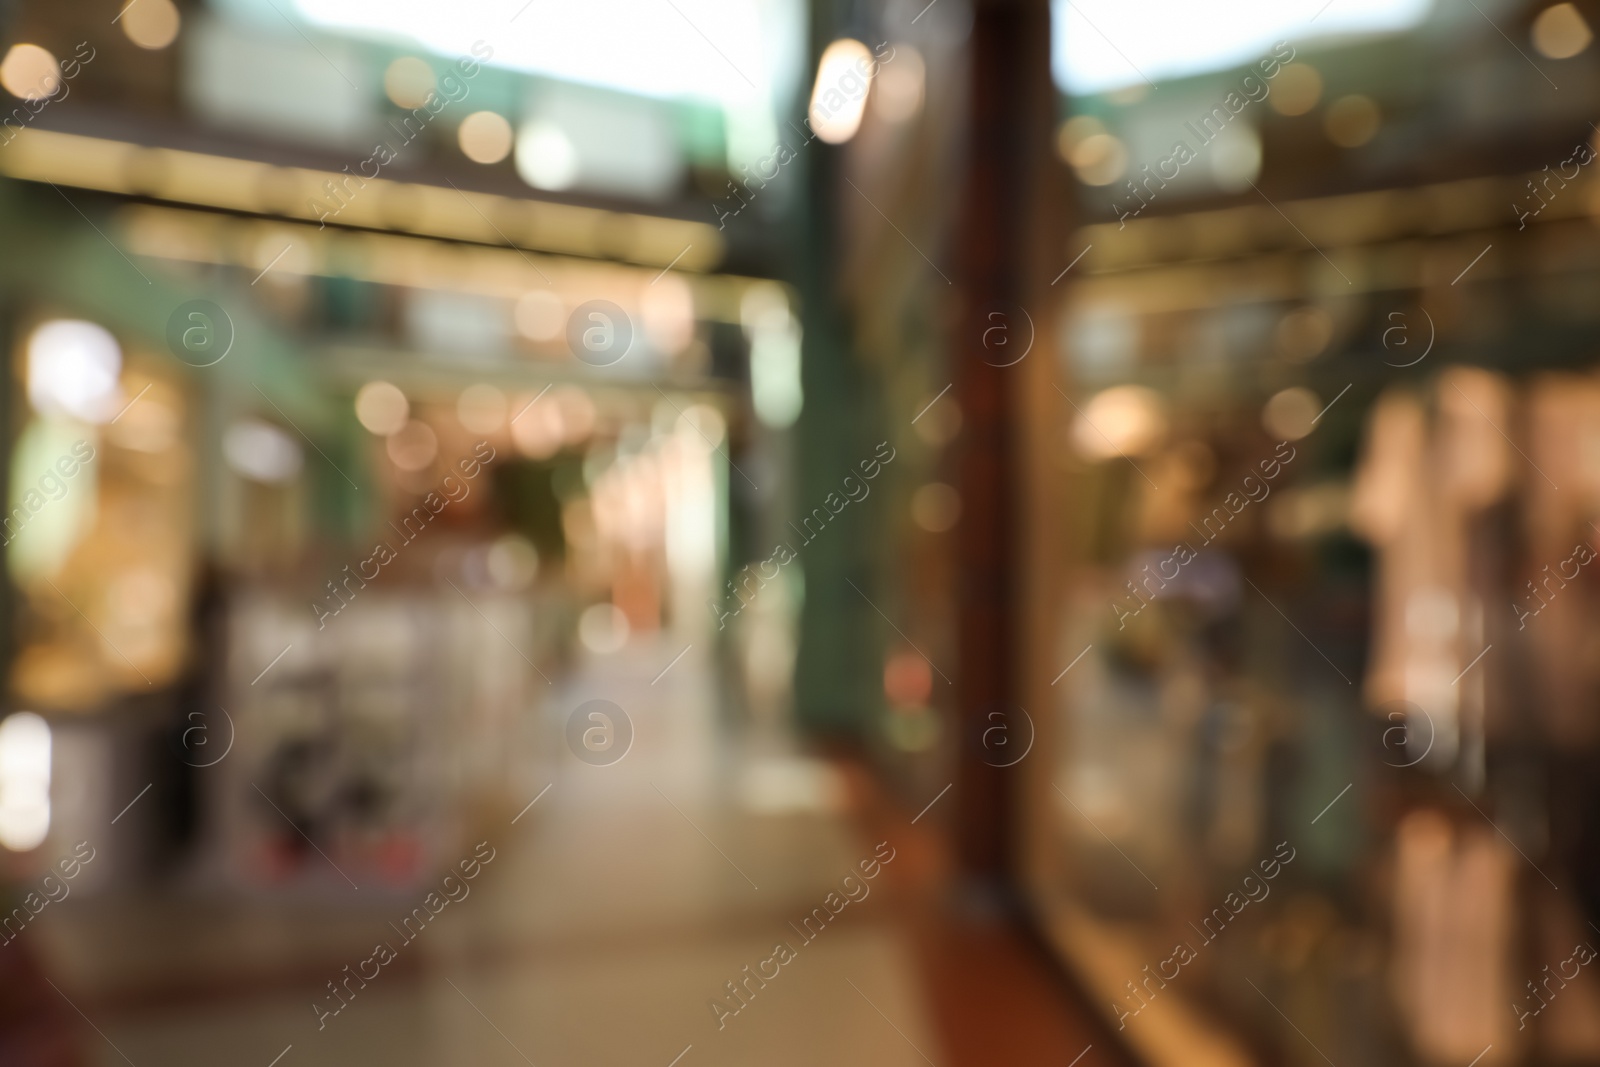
{"x": 485, "y": 137}
{"x": 1352, "y": 121}
{"x": 30, "y": 72}
{"x": 1561, "y": 32}
{"x": 840, "y": 94}
{"x": 435, "y": 211}
{"x": 1297, "y": 90}
{"x": 1099, "y": 159}
{"x": 1291, "y": 414}
{"x": 1121, "y": 421}
{"x": 151, "y": 24}
{"x": 408, "y": 81}
{"x": 1074, "y": 132}
{"x": 382, "y": 408}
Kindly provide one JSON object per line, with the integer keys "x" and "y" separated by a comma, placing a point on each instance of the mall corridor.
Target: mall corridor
{"x": 665, "y": 533}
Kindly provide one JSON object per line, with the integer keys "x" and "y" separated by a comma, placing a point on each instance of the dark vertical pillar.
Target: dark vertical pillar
{"x": 1010, "y": 98}
{"x": 839, "y": 665}
{"x": 11, "y": 424}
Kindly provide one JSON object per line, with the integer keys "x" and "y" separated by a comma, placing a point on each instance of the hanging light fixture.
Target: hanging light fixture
{"x": 839, "y": 97}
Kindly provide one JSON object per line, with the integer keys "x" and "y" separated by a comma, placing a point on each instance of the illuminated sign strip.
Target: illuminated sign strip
{"x": 377, "y": 203}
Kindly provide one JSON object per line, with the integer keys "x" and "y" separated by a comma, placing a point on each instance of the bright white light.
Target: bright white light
{"x": 262, "y": 452}
{"x": 640, "y": 46}
{"x": 1099, "y": 45}
{"x": 545, "y": 157}
{"x": 72, "y": 370}
{"x": 839, "y": 98}
{"x": 1120, "y": 421}
{"x": 775, "y": 375}
{"x": 24, "y": 750}
{"x": 24, "y": 781}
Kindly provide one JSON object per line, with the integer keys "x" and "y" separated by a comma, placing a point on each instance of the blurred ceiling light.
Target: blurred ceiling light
{"x": 262, "y": 452}
{"x": 1561, "y": 32}
{"x": 1352, "y": 121}
{"x": 1121, "y": 421}
{"x": 1160, "y": 39}
{"x": 1291, "y": 414}
{"x": 235, "y": 184}
{"x": 24, "y": 781}
{"x": 151, "y": 24}
{"x": 898, "y": 92}
{"x": 603, "y": 628}
{"x": 839, "y": 96}
{"x": 936, "y": 507}
{"x": 541, "y": 315}
{"x": 382, "y": 408}
{"x": 485, "y": 137}
{"x": 636, "y": 46}
{"x": 30, "y": 72}
{"x": 1099, "y": 159}
{"x": 546, "y": 158}
{"x": 408, "y": 81}
{"x": 73, "y": 367}
{"x": 1296, "y": 90}
{"x": 481, "y": 408}
{"x": 412, "y": 447}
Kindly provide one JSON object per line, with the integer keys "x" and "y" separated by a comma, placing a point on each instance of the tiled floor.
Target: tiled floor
{"x": 615, "y": 911}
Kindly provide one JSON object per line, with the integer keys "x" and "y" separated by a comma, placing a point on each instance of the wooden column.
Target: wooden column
{"x": 998, "y": 250}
